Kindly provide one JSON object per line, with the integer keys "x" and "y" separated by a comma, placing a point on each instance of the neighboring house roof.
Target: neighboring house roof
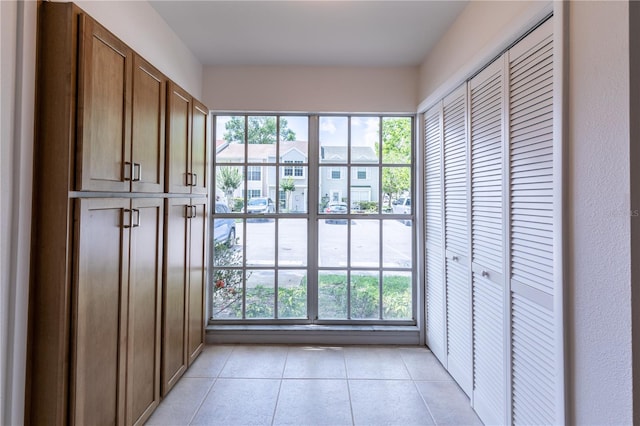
{"x": 259, "y": 153}
{"x": 332, "y": 154}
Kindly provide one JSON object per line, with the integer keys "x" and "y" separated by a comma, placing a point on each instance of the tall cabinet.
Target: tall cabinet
{"x": 493, "y": 261}
{"x": 97, "y": 310}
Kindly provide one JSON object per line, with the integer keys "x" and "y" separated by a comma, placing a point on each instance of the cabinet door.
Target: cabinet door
{"x": 197, "y": 274}
{"x": 178, "y": 140}
{"x": 200, "y": 149}
{"x": 459, "y": 344}
{"x": 99, "y": 312}
{"x": 145, "y": 292}
{"x": 174, "y": 327}
{"x": 434, "y": 244}
{"x": 146, "y": 169}
{"x": 104, "y": 103}
{"x": 486, "y": 93}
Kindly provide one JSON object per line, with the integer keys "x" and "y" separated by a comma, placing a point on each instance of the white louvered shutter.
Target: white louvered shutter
{"x": 434, "y": 244}
{"x": 534, "y": 348}
{"x": 486, "y": 93}
{"x": 458, "y": 290}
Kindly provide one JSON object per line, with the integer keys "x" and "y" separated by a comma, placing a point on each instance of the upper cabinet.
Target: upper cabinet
{"x": 187, "y": 140}
{"x": 121, "y": 100}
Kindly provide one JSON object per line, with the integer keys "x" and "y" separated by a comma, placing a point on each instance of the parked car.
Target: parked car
{"x": 402, "y": 206}
{"x": 224, "y": 229}
{"x": 261, "y": 205}
{"x": 336, "y": 207}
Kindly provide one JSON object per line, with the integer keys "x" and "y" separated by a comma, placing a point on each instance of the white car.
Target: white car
{"x": 402, "y": 206}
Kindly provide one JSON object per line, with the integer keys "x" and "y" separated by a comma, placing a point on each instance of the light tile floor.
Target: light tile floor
{"x": 315, "y": 385}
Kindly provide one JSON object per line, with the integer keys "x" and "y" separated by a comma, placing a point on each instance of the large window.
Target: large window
{"x": 329, "y": 239}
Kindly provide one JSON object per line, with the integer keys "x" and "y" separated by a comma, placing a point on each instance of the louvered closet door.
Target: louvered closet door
{"x": 434, "y": 247}
{"x": 534, "y": 349}
{"x": 458, "y": 293}
{"x": 486, "y": 93}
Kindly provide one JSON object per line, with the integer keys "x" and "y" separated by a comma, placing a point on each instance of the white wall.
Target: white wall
{"x": 311, "y": 89}
{"x": 17, "y": 75}
{"x": 600, "y": 208}
{"x": 137, "y": 24}
{"x": 598, "y": 240}
{"x": 143, "y": 29}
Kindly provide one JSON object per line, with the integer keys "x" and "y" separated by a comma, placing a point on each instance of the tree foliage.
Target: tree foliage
{"x": 396, "y": 148}
{"x": 288, "y": 185}
{"x": 228, "y": 180}
{"x": 260, "y": 129}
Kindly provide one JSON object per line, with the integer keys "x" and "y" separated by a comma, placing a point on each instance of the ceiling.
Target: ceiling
{"x": 309, "y": 33}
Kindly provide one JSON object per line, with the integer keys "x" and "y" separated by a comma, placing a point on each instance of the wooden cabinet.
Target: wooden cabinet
{"x": 115, "y": 322}
{"x": 96, "y": 297}
{"x": 187, "y": 140}
{"x": 184, "y": 280}
{"x": 121, "y": 105}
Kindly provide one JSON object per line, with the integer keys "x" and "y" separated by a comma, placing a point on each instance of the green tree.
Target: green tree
{"x": 260, "y": 130}
{"x": 228, "y": 179}
{"x": 288, "y": 185}
{"x": 396, "y": 148}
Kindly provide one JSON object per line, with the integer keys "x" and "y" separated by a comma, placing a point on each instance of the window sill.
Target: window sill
{"x": 314, "y": 334}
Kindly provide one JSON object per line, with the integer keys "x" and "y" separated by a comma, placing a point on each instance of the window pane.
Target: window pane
{"x": 227, "y": 237}
{"x": 364, "y": 190}
{"x": 293, "y": 189}
{"x": 332, "y": 295}
{"x": 292, "y": 242}
{"x": 396, "y": 189}
{"x": 365, "y": 295}
{"x": 292, "y": 294}
{"x": 396, "y": 295}
{"x": 260, "y": 243}
{"x": 226, "y": 301}
{"x": 260, "y": 294}
{"x": 230, "y": 187}
{"x": 332, "y": 243}
{"x": 397, "y": 244}
{"x": 365, "y": 243}
{"x": 365, "y": 139}
{"x": 229, "y": 139}
{"x": 333, "y": 139}
{"x": 396, "y": 140}
{"x": 261, "y": 137}
{"x": 333, "y": 188}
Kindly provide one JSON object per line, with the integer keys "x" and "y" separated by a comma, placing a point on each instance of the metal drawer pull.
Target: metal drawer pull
{"x": 139, "y": 175}
{"x": 137, "y": 222}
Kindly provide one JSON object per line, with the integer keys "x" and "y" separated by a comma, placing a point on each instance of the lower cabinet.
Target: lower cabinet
{"x": 115, "y": 319}
{"x": 184, "y": 280}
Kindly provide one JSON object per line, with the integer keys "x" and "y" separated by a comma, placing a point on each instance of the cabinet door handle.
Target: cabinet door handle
{"x": 136, "y": 177}
{"x": 454, "y": 258}
{"x": 194, "y": 179}
{"x": 126, "y": 223}
{"x": 128, "y": 173}
{"x": 137, "y": 222}
{"x": 193, "y": 211}
{"x": 485, "y": 274}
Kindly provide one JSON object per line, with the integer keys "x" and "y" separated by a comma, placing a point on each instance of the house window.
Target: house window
{"x": 364, "y": 270}
{"x": 293, "y": 171}
{"x": 254, "y": 173}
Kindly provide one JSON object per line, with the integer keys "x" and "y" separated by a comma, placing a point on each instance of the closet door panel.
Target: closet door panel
{"x": 174, "y": 295}
{"x": 200, "y": 149}
{"x": 456, "y": 208}
{"x": 178, "y": 159}
{"x": 99, "y": 313}
{"x": 534, "y": 351}
{"x": 487, "y": 109}
{"x": 145, "y": 302}
{"x": 104, "y": 102}
{"x": 434, "y": 225}
{"x": 146, "y": 169}
{"x": 197, "y": 274}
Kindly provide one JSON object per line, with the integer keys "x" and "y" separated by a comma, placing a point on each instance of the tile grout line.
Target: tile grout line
{"x": 284, "y": 366}
{"x": 418, "y": 389}
{"x": 346, "y": 373}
